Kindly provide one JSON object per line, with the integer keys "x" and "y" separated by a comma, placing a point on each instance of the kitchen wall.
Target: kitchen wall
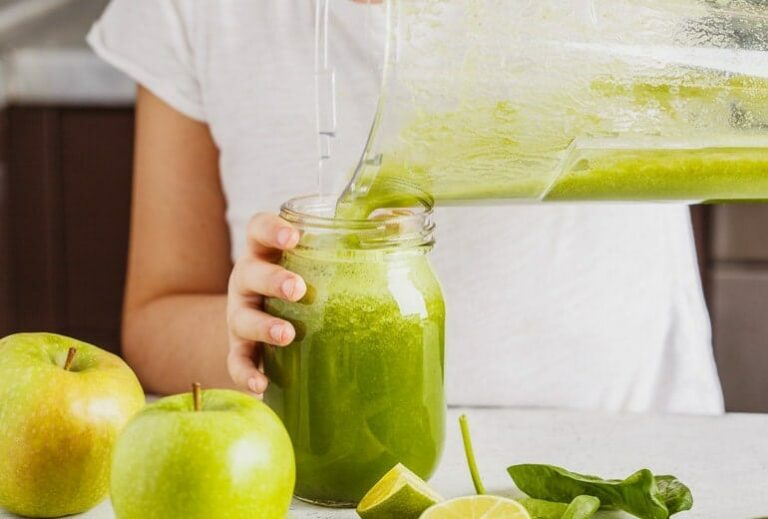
{"x": 65, "y": 161}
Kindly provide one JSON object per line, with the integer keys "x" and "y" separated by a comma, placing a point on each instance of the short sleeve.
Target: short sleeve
{"x": 153, "y": 42}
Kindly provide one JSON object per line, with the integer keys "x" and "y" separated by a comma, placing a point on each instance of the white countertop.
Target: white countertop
{"x": 44, "y": 58}
{"x": 724, "y": 460}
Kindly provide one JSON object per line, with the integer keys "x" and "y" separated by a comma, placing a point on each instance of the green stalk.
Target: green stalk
{"x": 479, "y": 488}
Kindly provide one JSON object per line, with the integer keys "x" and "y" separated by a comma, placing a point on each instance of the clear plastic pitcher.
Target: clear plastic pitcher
{"x": 538, "y": 100}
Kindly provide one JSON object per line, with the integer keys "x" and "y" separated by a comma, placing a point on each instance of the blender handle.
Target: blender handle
{"x": 325, "y": 88}
{"x": 371, "y": 158}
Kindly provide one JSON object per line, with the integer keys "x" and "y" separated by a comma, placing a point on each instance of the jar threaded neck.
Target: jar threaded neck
{"x": 386, "y": 228}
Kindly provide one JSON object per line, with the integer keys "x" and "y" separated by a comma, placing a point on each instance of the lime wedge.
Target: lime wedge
{"x": 399, "y": 494}
{"x": 477, "y": 507}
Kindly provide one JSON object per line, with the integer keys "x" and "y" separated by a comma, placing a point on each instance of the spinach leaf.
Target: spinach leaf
{"x": 637, "y": 494}
{"x": 674, "y": 494}
{"x": 540, "y": 509}
{"x": 582, "y": 507}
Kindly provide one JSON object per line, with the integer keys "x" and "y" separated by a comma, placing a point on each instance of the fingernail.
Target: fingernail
{"x": 299, "y": 288}
{"x": 285, "y": 236}
{"x": 289, "y": 285}
{"x": 277, "y": 332}
{"x": 253, "y": 385}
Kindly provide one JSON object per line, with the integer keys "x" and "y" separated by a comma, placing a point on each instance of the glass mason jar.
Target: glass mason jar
{"x": 361, "y": 388}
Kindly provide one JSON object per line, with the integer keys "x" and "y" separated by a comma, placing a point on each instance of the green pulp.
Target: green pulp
{"x": 696, "y": 175}
{"x": 361, "y": 387}
{"x": 695, "y": 138}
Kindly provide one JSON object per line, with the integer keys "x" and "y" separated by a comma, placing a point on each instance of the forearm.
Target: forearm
{"x": 176, "y": 340}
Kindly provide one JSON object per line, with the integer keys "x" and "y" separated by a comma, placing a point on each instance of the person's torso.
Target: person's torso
{"x": 583, "y": 306}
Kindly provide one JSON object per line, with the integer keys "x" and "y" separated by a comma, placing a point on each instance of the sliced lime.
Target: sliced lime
{"x": 399, "y": 494}
{"x": 477, "y": 507}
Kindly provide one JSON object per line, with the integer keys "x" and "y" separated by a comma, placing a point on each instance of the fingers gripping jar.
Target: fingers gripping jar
{"x": 361, "y": 388}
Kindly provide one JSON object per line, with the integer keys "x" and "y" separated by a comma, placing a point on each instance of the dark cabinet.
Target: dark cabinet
{"x": 738, "y": 273}
{"x": 65, "y": 211}
{"x": 6, "y": 318}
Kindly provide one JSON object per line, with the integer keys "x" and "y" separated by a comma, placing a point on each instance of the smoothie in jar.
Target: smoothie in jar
{"x": 361, "y": 387}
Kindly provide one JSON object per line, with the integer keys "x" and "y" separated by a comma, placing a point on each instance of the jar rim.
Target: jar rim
{"x": 392, "y": 227}
{"x": 319, "y": 211}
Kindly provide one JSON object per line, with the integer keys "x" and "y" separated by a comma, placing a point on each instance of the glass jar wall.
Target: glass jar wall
{"x": 361, "y": 388}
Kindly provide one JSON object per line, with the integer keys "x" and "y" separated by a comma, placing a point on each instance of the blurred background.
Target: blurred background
{"x": 66, "y": 135}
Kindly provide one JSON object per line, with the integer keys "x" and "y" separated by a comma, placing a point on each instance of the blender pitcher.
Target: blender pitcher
{"x": 546, "y": 100}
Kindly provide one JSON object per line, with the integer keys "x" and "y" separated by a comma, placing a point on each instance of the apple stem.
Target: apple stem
{"x": 197, "y": 396}
{"x": 70, "y": 358}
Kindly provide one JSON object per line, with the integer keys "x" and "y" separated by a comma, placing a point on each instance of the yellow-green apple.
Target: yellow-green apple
{"x": 63, "y": 403}
{"x": 203, "y": 455}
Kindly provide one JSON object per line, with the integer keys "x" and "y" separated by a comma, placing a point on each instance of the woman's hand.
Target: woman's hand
{"x": 254, "y": 277}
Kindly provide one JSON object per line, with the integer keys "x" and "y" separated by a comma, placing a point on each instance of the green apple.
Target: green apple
{"x": 203, "y": 455}
{"x": 62, "y": 405}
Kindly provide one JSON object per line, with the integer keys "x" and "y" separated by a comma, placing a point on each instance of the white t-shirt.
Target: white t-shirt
{"x": 578, "y": 306}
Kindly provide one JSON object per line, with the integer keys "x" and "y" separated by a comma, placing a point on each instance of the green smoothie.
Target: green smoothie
{"x": 693, "y": 175}
{"x": 361, "y": 387}
{"x": 694, "y": 138}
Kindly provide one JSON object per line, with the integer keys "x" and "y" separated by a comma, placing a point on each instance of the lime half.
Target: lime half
{"x": 399, "y": 494}
{"x": 477, "y": 507}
